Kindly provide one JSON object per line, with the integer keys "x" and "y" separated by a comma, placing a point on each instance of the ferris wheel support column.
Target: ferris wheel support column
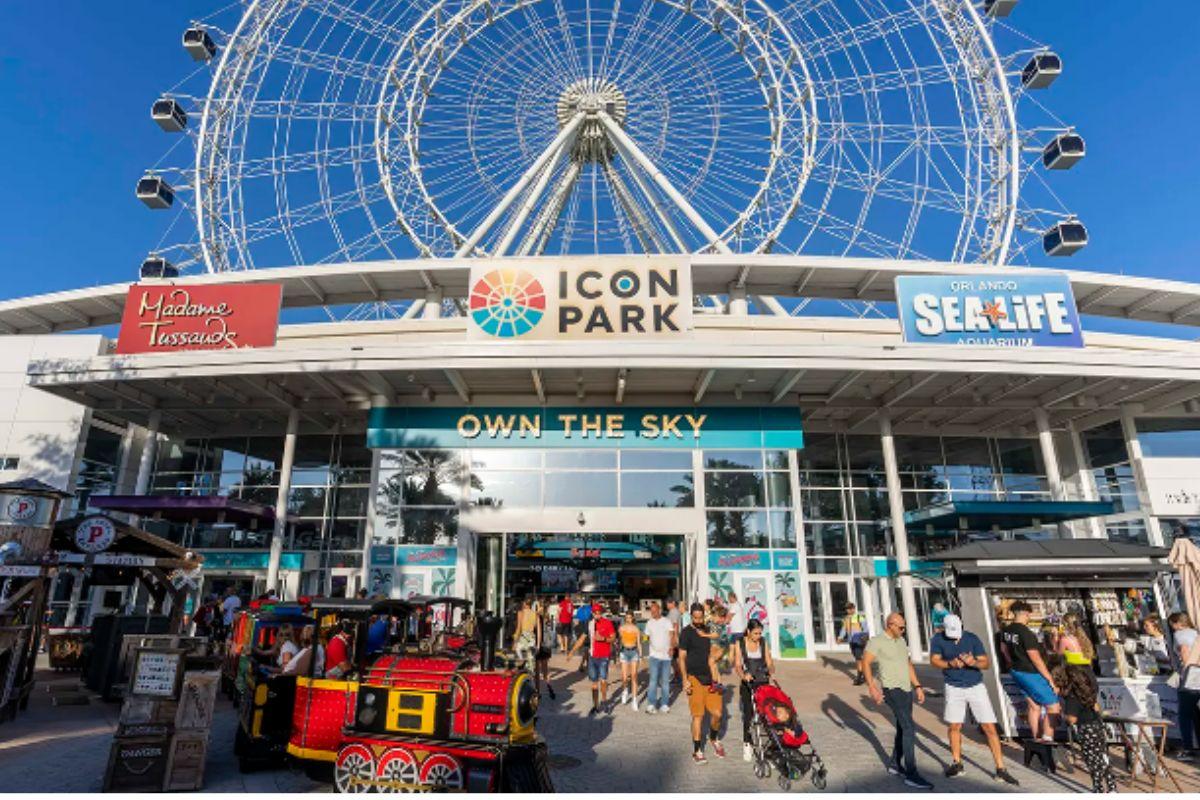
{"x": 646, "y": 235}
{"x": 568, "y": 131}
{"x": 654, "y": 203}
{"x": 531, "y": 198}
{"x": 543, "y": 227}
{"x": 630, "y": 149}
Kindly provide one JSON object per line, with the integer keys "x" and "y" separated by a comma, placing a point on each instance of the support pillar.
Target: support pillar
{"x": 738, "y": 305}
{"x": 1049, "y": 455}
{"x": 149, "y": 450}
{"x": 1134, "y": 448}
{"x": 1092, "y": 527}
{"x": 908, "y": 595}
{"x": 281, "y": 500}
{"x": 433, "y": 304}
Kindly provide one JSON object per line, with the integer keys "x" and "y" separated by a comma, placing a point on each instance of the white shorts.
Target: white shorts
{"x": 958, "y": 700}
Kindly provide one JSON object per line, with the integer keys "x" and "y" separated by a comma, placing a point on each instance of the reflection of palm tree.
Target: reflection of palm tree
{"x": 257, "y": 485}
{"x": 421, "y": 477}
{"x": 734, "y": 491}
{"x": 443, "y": 581}
{"x": 720, "y": 583}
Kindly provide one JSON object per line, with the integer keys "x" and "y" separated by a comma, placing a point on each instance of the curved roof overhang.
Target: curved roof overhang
{"x": 1098, "y": 294}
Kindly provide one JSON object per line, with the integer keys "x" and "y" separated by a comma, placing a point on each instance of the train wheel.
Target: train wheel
{"x": 355, "y": 770}
{"x": 440, "y": 771}
{"x": 397, "y": 771}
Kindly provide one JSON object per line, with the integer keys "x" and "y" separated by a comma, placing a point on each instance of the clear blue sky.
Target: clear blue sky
{"x": 77, "y": 78}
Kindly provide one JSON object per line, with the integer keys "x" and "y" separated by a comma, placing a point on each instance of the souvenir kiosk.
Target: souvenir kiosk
{"x": 27, "y": 510}
{"x": 1111, "y": 585}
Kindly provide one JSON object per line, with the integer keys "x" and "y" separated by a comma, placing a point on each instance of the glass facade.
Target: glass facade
{"x": 97, "y": 473}
{"x": 1108, "y": 459}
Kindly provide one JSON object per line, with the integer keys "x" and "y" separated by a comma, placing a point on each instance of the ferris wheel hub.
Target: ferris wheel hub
{"x": 590, "y": 96}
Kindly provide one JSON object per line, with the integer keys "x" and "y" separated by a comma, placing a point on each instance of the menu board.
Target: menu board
{"x": 156, "y": 673}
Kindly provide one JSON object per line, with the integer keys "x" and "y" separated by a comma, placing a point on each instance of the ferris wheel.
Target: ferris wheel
{"x": 329, "y": 131}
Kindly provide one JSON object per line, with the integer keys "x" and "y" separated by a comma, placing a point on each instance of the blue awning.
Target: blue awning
{"x": 984, "y": 515}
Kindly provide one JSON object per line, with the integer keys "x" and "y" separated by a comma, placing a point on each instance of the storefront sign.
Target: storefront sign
{"x": 586, "y": 298}
{"x": 422, "y": 556}
{"x": 989, "y": 310}
{"x": 17, "y": 571}
{"x": 233, "y": 559}
{"x": 583, "y": 427}
{"x": 95, "y": 534}
{"x": 739, "y": 559}
{"x": 168, "y": 318}
{"x": 24, "y": 509}
{"x": 784, "y": 559}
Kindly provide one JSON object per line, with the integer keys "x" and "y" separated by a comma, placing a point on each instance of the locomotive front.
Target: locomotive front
{"x": 446, "y": 719}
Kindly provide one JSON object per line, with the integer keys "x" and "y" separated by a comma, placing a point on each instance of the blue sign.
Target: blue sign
{"x": 426, "y": 556}
{"x": 239, "y": 559}
{"x": 725, "y": 428}
{"x": 739, "y": 559}
{"x": 383, "y": 556}
{"x": 888, "y": 567}
{"x": 786, "y": 559}
{"x": 989, "y": 310}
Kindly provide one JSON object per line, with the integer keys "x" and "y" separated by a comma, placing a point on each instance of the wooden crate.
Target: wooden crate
{"x": 138, "y": 764}
{"x": 197, "y": 699}
{"x": 185, "y": 768}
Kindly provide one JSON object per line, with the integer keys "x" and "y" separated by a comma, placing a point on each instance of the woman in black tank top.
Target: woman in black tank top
{"x": 754, "y": 667}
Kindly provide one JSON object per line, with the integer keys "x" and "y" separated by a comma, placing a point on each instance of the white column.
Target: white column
{"x": 900, "y": 535}
{"x": 1049, "y": 456}
{"x": 1134, "y": 448}
{"x": 802, "y": 550}
{"x": 281, "y": 499}
{"x": 433, "y": 304}
{"x": 149, "y": 450}
{"x": 1091, "y": 527}
{"x": 738, "y": 305}
{"x": 369, "y": 533}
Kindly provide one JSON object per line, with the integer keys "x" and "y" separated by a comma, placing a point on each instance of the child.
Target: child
{"x": 1081, "y": 707}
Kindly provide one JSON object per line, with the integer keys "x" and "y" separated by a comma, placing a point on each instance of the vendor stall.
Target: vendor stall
{"x": 109, "y": 553}
{"x": 1111, "y": 586}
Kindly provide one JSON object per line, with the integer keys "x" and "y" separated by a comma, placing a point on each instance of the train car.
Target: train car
{"x": 417, "y": 716}
{"x": 254, "y": 629}
{"x": 269, "y": 700}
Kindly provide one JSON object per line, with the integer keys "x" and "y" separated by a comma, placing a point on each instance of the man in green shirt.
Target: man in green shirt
{"x": 896, "y": 686}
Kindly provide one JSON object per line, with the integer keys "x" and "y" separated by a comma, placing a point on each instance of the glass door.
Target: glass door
{"x": 828, "y": 597}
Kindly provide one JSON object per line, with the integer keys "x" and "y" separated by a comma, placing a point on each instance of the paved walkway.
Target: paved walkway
{"x": 65, "y": 748}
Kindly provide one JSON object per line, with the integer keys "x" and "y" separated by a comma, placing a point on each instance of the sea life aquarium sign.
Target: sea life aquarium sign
{"x": 989, "y": 310}
{"x": 586, "y": 427}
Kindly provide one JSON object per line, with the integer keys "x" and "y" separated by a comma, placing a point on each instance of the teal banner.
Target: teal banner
{"x": 718, "y": 428}
{"x": 237, "y": 559}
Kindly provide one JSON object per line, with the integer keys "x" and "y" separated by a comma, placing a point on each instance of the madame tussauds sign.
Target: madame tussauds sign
{"x": 584, "y": 298}
{"x": 168, "y": 318}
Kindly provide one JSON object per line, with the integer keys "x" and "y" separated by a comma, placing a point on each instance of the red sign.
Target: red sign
{"x": 168, "y": 318}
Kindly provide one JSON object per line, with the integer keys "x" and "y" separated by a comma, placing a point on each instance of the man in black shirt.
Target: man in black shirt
{"x": 705, "y": 694}
{"x": 1027, "y": 663}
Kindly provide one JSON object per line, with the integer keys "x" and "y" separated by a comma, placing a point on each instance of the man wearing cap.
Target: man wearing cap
{"x": 960, "y": 656}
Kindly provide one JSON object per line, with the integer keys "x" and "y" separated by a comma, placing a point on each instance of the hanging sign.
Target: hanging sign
{"x": 95, "y": 534}
{"x": 168, "y": 318}
{"x": 24, "y": 509}
{"x": 716, "y": 427}
{"x": 988, "y": 310}
{"x": 582, "y": 298}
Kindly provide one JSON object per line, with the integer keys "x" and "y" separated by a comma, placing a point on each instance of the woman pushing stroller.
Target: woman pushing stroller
{"x": 753, "y": 665}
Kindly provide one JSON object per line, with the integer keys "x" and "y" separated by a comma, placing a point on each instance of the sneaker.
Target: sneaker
{"x": 624, "y": 696}
{"x": 1004, "y": 776}
{"x": 917, "y": 782}
{"x": 635, "y": 704}
{"x": 699, "y": 758}
{"x": 859, "y": 680}
{"x": 955, "y": 768}
{"x": 747, "y": 752}
{"x": 718, "y": 749}
{"x": 1185, "y": 755}
{"x": 664, "y": 709}
{"x": 651, "y": 709}
{"x": 594, "y": 711}
{"x": 894, "y": 769}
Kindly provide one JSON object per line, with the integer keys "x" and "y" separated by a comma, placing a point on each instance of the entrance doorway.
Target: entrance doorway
{"x": 828, "y": 596}
{"x": 632, "y": 569}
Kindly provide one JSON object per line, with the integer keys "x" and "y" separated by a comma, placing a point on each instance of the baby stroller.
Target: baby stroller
{"x": 780, "y": 742}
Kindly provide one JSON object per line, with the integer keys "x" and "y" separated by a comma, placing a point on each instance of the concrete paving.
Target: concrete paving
{"x": 65, "y": 748}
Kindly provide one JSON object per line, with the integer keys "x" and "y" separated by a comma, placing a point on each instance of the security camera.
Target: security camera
{"x": 581, "y": 519}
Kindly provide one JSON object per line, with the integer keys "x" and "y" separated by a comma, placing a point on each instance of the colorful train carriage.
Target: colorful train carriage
{"x": 424, "y": 716}
{"x": 255, "y": 629}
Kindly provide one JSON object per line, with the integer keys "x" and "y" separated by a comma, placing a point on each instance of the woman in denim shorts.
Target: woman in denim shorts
{"x": 630, "y": 638}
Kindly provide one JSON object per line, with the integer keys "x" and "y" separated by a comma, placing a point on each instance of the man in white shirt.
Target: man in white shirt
{"x": 737, "y": 618}
{"x": 661, "y": 634}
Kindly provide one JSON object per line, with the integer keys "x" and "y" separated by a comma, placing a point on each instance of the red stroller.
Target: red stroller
{"x": 780, "y": 741}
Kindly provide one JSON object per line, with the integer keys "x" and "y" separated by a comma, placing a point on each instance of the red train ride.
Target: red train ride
{"x": 434, "y": 708}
